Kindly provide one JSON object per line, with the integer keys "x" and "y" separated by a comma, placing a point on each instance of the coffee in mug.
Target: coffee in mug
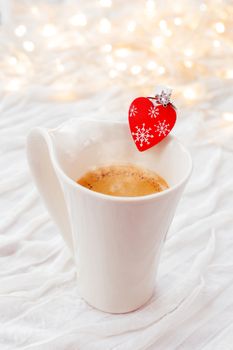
{"x": 123, "y": 180}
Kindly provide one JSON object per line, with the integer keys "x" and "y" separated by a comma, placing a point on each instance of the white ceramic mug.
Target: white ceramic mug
{"x": 115, "y": 241}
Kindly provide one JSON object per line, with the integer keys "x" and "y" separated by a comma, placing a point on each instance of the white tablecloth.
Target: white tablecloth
{"x": 192, "y": 307}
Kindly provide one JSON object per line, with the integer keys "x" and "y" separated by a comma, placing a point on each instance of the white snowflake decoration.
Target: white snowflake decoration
{"x": 142, "y": 135}
{"x": 162, "y": 128}
{"x": 133, "y": 111}
{"x": 153, "y": 112}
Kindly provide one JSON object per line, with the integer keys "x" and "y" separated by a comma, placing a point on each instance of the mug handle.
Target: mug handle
{"x": 40, "y": 159}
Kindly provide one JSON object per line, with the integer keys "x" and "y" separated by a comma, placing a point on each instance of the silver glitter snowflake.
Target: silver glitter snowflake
{"x": 133, "y": 111}
{"x": 153, "y": 112}
{"x": 162, "y": 128}
{"x": 142, "y": 135}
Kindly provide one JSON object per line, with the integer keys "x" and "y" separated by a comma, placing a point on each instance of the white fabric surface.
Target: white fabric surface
{"x": 192, "y": 307}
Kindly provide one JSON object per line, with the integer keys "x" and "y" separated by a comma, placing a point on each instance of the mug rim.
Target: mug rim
{"x": 103, "y": 196}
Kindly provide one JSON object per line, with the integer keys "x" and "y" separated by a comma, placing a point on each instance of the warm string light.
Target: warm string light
{"x": 121, "y": 66}
{"x": 17, "y": 66}
{"x": 106, "y": 3}
{"x": 188, "y": 63}
{"x": 219, "y": 27}
{"x": 123, "y": 52}
{"x": 107, "y": 48}
{"x": 228, "y": 74}
{"x": 188, "y": 52}
{"x": 109, "y": 60}
{"x": 136, "y": 69}
{"x": 35, "y": 11}
{"x": 228, "y": 116}
{"x": 216, "y": 44}
{"x": 105, "y": 26}
{"x": 113, "y": 73}
{"x": 13, "y": 60}
{"x": 28, "y": 46}
{"x": 13, "y": 85}
{"x": 151, "y": 65}
{"x": 158, "y": 42}
{"x": 161, "y": 70}
{"x": 203, "y": 7}
{"x": 60, "y": 67}
{"x": 78, "y": 20}
{"x": 131, "y": 26}
{"x": 178, "y": 21}
{"x": 49, "y": 30}
{"x": 193, "y": 92}
{"x": 150, "y": 8}
{"x": 189, "y": 93}
{"x": 20, "y": 31}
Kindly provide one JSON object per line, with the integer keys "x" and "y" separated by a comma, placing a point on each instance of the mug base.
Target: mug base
{"x": 119, "y": 310}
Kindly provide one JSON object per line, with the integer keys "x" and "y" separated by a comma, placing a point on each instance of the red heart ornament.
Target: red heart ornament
{"x": 150, "y": 122}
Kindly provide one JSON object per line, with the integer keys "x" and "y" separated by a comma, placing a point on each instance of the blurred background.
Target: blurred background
{"x": 64, "y": 50}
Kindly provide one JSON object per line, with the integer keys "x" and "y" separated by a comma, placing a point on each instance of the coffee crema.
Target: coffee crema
{"x": 123, "y": 180}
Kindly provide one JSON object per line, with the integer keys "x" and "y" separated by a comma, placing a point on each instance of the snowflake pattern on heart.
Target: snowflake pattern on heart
{"x": 153, "y": 112}
{"x": 150, "y": 122}
{"x": 142, "y": 135}
{"x": 162, "y": 128}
